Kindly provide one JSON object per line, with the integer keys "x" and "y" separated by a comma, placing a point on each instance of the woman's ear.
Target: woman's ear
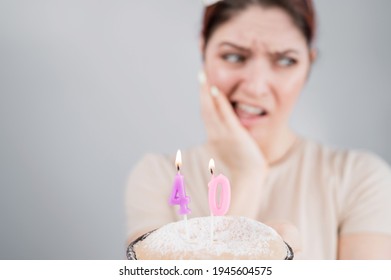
{"x": 202, "y": 47}
{"x": 313, "y": 54}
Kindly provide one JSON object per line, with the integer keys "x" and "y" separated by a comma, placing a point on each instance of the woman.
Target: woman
{"x": 329, "y": 203}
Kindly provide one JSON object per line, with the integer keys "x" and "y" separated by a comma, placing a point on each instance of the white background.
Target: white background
{"x": 87, "y": 87}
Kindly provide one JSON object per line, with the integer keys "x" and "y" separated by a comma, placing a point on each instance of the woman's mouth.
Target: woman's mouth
{"x": 248, "y": 114}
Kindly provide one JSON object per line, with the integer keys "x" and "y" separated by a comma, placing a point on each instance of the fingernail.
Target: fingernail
{"x": 214, "y": 91}
{"x": 201, "y": 77}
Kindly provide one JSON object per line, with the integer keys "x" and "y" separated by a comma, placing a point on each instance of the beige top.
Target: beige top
{"x": 323, "y": 191}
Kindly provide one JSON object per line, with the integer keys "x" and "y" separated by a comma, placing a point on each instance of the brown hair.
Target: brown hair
{"x": 302, "y": 13}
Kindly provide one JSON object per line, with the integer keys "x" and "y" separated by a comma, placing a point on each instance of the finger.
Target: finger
{"x": 224, "y": 107}
{"x": 289, "y": 233}
{"x": 207, "y": 105}
{"x": 209, "y": 112}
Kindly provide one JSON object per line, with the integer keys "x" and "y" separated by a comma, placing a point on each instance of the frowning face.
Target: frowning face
{"x": 260, "y": 60}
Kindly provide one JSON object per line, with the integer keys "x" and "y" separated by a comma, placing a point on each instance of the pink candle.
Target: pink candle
{"x": 218, "y": 206}
{"x": 178, "y": 194}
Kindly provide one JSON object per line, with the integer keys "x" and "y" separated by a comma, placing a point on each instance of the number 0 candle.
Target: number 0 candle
{"x": 218, "y": 205}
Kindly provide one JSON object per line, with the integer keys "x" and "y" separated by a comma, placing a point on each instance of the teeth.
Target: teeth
{"x": 250, "y": 109}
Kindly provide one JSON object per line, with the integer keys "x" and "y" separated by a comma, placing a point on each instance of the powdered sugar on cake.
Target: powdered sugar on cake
{"x": 236, "y": 237}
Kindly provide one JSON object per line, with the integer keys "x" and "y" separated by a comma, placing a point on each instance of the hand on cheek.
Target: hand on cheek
{"x": 216, "y": 109}
{"x": 228, "y": 138}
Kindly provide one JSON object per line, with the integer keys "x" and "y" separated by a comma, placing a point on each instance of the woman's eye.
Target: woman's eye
{"x": 234, "y": 58}
{"x": 286, "y": 61}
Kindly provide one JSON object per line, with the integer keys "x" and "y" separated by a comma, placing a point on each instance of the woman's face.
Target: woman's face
{"x": 260, "y": 60}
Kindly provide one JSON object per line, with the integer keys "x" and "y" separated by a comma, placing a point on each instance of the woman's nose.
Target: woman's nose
{"x": 257, "y": 80}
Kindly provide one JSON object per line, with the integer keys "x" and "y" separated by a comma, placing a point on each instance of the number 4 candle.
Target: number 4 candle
{"x": 178, "y": 193}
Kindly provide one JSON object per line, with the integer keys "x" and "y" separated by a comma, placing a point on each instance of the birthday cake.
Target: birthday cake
{"x": 218, "y": 237}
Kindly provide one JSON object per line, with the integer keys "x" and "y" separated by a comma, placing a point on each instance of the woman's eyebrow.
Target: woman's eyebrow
{"x": 244, "y": 49}
{"x": 232, "y": 45}
{"x": 288, "y": 51}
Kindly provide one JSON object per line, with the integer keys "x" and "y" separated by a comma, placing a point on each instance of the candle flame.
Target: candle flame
{"x": 211, "y": 165}
{"x": 178, "y": 160}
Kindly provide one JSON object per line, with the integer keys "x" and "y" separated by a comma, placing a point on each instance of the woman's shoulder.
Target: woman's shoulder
{"x": 150, "y": 163}
{"x": 190, "y": 155}
{"x": 344, "y": 159}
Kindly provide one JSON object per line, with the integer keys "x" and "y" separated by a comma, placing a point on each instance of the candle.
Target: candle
{"x": 178, "y": 193}
{"x": 218, "y": 205}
